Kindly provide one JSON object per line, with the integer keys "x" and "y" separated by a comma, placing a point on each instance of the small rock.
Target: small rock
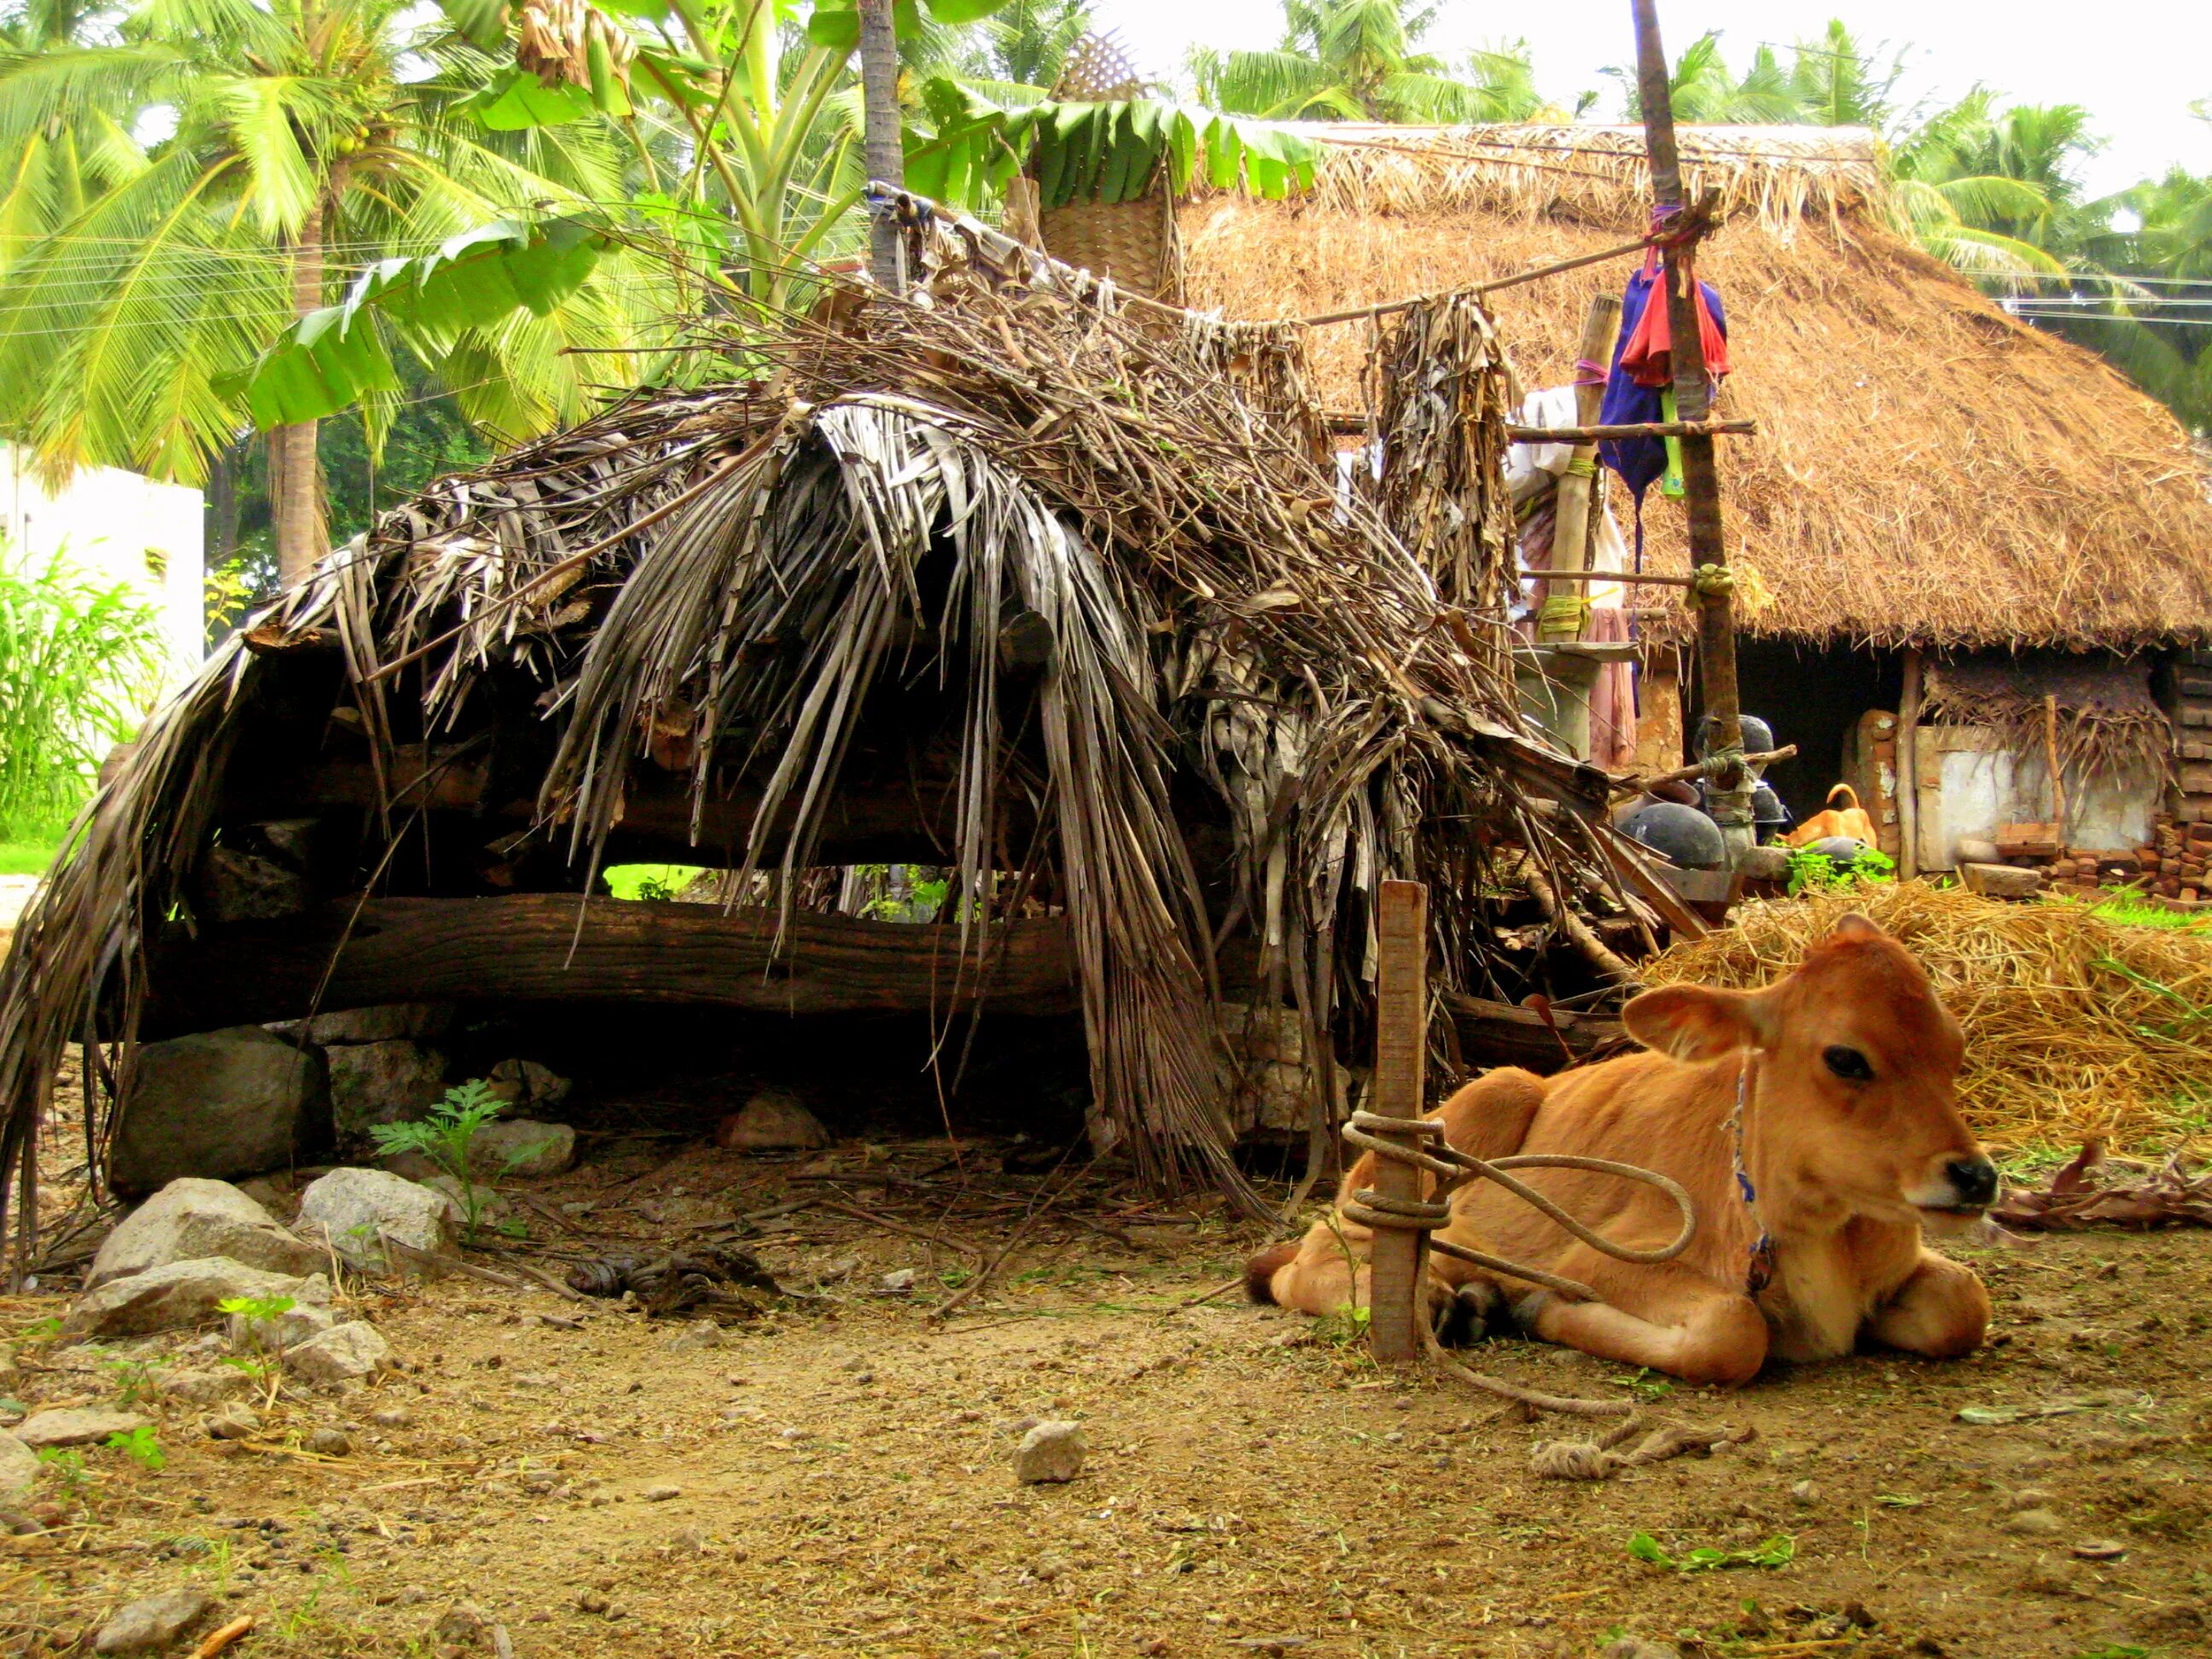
{"x": 899, "y": 1281}
{"x": 660, "y": 1494}
{"x": 464, "y": 1623}
{"x": 773, "y": 1121}
{"x": 177, "y": 1293}
{"x": 344, "y": 1353}
{"x": 1630, "y": 1648}
{"x": 204, "y": 1386}
{"x": 392, "y": 1416}
{"x": 18, "y": 1471}
{"x": 273, "y": 1335}
{"x": 522, "y": 1146}
{"x": 525, "y": 1082}
{"x": 699, "y": 1334}
{"x": 218, "y": 1103}
{"x": 2099, "y": 1549}
{"x": 352, "y": 1205}
{"x": 331, "y": 1443}
{"x": 2034, "y": 1523}
{"x": 236, "y": 1421}
{"x": 590, "y": 1601}
{"x": 190, "y": 1220}
{"x": 148, "y": 1625}
{"x": 1805, "y": 1492}
{"x": 1050, "y": 1452}
{"x": 2029, "y": 1497}
{"x": 85, "y": 1426}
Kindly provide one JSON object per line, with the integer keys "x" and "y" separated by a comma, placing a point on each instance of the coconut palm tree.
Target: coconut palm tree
{"x": 1357, "y": 60}
{"x": 309, "y": 139}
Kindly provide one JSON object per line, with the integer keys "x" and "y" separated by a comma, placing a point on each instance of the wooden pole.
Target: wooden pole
{"x": 2050, "y": 760}
{"x": 880, "y": 141}
{"x": 1401, "y": 1025}
{"x": 1571, "y": 521}
{"x": 1729, "y": 799}
{"x": 1908, "y": 771}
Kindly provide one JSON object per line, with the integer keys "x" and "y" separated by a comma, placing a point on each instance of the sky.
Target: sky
{"x": 2136, "y": 69}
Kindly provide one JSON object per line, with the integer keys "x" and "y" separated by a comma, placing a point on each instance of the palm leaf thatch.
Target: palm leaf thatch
{"x": 734, "y": 585}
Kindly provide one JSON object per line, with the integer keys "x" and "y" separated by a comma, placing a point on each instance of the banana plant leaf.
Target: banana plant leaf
{"x": 836, "y": 23}
{"x": 330, "y": 358}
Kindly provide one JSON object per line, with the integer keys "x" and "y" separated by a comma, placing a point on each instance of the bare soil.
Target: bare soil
{"x": 834, "y": 1477}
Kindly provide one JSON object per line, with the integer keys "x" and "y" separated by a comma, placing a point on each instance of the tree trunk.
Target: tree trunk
{"x": 886, "y": 160}
{"x": 295, "y": 483}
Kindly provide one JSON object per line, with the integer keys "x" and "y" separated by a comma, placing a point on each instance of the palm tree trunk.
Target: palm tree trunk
{"x": 886, "y": 159}
{"x": 295, "y": 484}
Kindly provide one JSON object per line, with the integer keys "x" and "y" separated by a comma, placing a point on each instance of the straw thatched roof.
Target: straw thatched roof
{"x": 1254, "y": 703}
{"x": 1928, "y": 470}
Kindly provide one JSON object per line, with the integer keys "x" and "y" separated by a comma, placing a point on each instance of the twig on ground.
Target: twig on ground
{"x": 222, "y": 1635}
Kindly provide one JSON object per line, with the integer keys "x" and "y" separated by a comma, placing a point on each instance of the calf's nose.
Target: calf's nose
{"x": 1974, "y": 1179}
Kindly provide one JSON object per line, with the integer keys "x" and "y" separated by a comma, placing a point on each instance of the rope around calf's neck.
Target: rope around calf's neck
{"x": 1399, "y": 1140}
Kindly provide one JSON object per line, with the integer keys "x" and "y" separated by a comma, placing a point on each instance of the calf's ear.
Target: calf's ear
{"x": 1694, "y": 1022}
{"x": 1852, "y": 925}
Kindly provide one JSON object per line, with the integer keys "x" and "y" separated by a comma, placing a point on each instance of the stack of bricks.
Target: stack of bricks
{"x": 2174, "y": 867}
{"x": 2184, "y": 691}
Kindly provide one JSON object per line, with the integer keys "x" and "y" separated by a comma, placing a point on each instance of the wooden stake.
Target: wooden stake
{"x": 1700, "y": 479}
{"x": 2051, "y": 759}
{"x": 1402, "y": 1009}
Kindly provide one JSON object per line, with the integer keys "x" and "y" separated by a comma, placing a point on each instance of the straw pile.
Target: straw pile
{"x": 1927, "y": 470}
{"x": 2062, "y": 1046}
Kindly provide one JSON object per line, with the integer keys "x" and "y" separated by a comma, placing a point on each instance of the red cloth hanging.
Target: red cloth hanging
{"x": 1649, "y": 359}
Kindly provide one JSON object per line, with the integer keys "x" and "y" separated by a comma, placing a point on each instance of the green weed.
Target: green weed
{"x": 447, "y": 1136}
{"x": 140, "y": 1446}
{"x": 1778, "y": 1551}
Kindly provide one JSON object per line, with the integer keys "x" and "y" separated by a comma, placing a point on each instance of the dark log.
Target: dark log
{"x": 1500, "y": 1034}
{"x": 530, "y": 947}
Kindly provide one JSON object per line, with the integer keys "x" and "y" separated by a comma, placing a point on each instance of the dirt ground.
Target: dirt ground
{"x": 834, "y": 1478}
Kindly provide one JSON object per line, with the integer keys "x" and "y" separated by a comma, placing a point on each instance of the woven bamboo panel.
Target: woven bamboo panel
{"x": 1134, "y": 243}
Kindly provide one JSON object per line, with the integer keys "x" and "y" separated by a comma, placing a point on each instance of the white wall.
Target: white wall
{"x": 1970, "y": 783}
{"x": 120, "y": 525}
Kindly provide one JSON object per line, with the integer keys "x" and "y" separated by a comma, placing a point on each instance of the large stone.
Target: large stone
{"x": 2000, "y": 880}
{"x": 353, "y": 1205}
{"x": 204, "y": 1385}
{"x": 520, "y": 1146}
{"x": 180, "y": 1293}
{"x": 1051, "y": 1452}
{"x": 18, "y": 1471}
{"x": 374, "y": 1083}
{"x": 86, "y": 1426}
{"x": 216, "y": 1104}
{"x": 525, "y": 1082}
{"x": 772, "y": 1122}
{"x": 278, "y": 1332}
{"x": 389, "y": 1022}
{"x": 149, "y": 1626}
{"x": 344, "y": 1353}
{"x": 190, "y": 1219}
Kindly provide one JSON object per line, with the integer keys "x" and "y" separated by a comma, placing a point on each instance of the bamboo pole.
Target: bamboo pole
{"x": 2051, "y": 759}
{"x": 1908, "y": 771}
{"x": 1401, "y": 1008}
{"x": 1571, "y": 518}
{"x": 1593, "y": 434}
{"x": 1730, "y": 807}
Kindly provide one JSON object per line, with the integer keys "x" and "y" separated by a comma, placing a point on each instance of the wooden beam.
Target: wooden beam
{"x": 1401, "y": 1028}
{"x": 1593, "y": 434}
{"x": 1576, "y": 491}
{"x": 542, "y": 947}
{"x": 1908, "y": 769}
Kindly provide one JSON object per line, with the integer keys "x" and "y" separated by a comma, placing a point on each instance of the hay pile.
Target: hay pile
{"x": 2062, "y": 1046}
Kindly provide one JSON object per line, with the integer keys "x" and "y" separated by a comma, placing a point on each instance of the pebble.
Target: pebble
{"x": 590, "y": 1600}
{"x": 2099, "y": 1549}
{"x": 331, "y": 1443}
{"x": 2029, "y": 1497}
{"x": 1050, "y": 1452}
{"x": 660, "y": 1494}
{"x": 1805, "y": 1492}
{"x": 1630, "y": 1648}
{"x": 699, "y": 1334}
{"x": 2038, "y": 1523}
{"x": 147, "y": 1625}
{"x": 236, "y": 1421}
{"x": 463, "y": 1624}
{"x": 391, "y": 1417}
{"x": 899, "y": 1282}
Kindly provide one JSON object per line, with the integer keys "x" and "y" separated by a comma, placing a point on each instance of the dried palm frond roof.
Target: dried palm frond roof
{"x": 1928, "y": 470}
{"x": 728, "y": 580}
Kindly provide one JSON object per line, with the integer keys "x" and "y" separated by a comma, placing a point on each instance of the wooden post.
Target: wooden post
{"x": 881, "y": 144}
{"x": 1908, "y": 771}
{"x": 1730, "y": 805}
{"x": 1401, "y": 1024}
{"x": 1570, "y": 539}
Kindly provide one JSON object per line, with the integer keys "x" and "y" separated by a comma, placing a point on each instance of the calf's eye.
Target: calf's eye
{"x": 1848, "y": 1064}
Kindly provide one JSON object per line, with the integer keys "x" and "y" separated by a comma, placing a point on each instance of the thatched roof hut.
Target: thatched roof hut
{"x": 995, "y": 579}
{"x": 1928, "y": 470}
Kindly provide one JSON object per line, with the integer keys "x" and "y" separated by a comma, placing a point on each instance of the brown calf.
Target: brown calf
{"x": 1832, "y": 1092}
